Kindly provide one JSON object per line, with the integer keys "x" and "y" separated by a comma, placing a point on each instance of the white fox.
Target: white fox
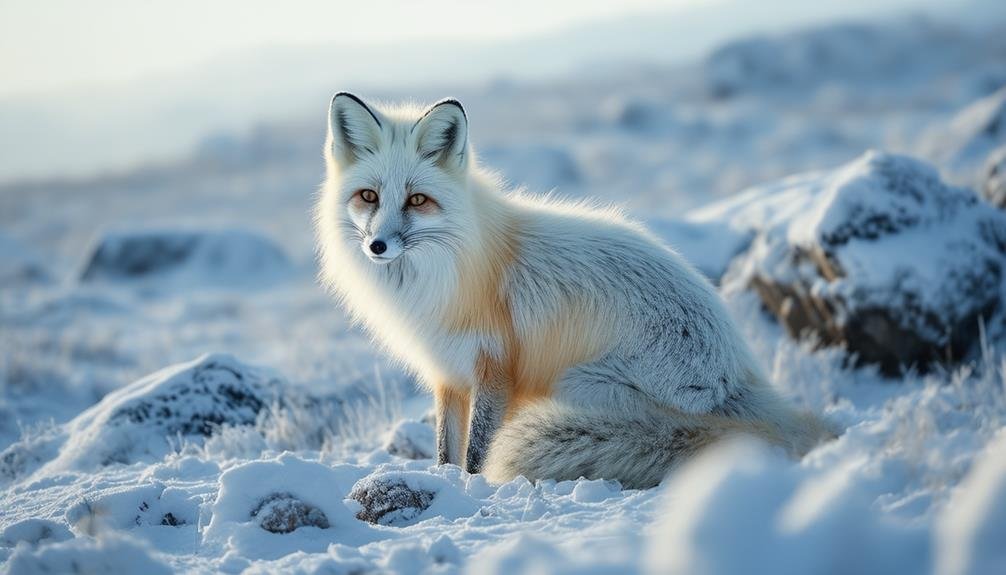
{"x": 560, "y": 340}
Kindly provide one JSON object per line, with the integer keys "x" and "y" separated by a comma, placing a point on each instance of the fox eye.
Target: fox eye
{"x": 369, "y": 196}
{"x": 417, "y": 199}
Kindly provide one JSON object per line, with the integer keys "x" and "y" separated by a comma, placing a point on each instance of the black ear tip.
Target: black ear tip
{"x": 452, "y": 102}
{"x": 349, "y": 95}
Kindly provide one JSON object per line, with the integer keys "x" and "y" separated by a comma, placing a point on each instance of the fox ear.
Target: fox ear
{"x": 442, "y": 134}
{"x": 354, "y": 129}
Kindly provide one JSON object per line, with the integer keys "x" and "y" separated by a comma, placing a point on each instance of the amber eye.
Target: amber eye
{"x": 417, "y": 199}
{"x": 369, "y": 196}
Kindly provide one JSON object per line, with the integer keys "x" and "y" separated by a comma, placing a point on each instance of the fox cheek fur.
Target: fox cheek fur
{"x": 559, "y": 339}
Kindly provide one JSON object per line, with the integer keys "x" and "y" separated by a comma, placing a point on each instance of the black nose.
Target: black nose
{"x": 378, "y": 247}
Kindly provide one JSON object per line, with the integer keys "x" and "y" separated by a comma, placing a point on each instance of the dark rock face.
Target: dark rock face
{"x": 284, "y": 513}
{"x": 180, "y": 258}
{"x": 885, "y": 260}
{"x": 389, "y": 500}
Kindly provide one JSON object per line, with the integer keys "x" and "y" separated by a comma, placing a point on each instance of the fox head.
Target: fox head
{"x": 398, "y": 180}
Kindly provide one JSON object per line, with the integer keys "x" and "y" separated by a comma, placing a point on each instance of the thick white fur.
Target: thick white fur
{"x": 668, "y": 357}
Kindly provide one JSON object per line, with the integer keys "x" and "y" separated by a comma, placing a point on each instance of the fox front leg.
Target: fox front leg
{"x": 452, "y": 421}
{"x": 488, "y": 406}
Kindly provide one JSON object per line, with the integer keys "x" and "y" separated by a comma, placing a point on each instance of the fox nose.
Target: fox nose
{"x": 378, "y": 247}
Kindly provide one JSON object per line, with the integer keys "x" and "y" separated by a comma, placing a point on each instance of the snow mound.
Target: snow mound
{"x": 962, "y": 146}
{"x": 108, "y": 554}
{"x": 971, "y": 531}
{"x": 174, "y": 259}
{"x": 799, "y": 522}
{"x": 34, "y": 532}
{"x": 270, "y": 508}
{"x": 879, "y": 256}
{"x": 401, "y": 498}
{"x": 151, "y": 417}
{"x": 411, "y": 440}
{"x": 994, "y": 178}
{"x": 128, "y": 507}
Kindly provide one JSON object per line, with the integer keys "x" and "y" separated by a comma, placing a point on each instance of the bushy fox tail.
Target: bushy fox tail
{"x": 550, "y": 440}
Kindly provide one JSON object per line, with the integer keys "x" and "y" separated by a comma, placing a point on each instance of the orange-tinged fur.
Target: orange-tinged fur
{"x": 531, "y": 362}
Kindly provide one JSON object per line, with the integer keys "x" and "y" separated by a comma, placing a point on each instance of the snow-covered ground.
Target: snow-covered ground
{"x": 176, "y": 393}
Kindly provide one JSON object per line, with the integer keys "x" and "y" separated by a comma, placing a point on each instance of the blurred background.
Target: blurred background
{"x": 186, "y": 118}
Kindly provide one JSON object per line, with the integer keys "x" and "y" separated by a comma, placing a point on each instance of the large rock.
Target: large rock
{"x": 879, "y": 256}
{"x": 149, "y": 418}
{"x": 172, "y": 259}
{"x": 962, "y": 146}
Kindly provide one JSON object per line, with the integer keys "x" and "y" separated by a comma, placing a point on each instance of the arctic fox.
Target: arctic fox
{"x": 559, "y": 339}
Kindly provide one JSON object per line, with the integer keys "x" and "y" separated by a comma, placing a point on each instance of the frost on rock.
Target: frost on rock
{"x": 178, "y": 258}
{"x": 878, "y": 256}
{"x": 993, "y": 186}
{"x": 963, "y": 146}
{"x": 185, "y": 402}
{"x": 284, "y": 513}
{"x": 390, "y": 499}
{"x": 411, "y": 440}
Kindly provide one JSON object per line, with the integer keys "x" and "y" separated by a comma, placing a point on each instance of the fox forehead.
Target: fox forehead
{"x": 396, "y": 167}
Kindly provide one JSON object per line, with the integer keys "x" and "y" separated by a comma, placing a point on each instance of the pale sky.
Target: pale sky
{"x": 48, "y": 45}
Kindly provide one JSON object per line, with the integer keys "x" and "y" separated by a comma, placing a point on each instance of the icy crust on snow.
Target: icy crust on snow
{"x": 176, "y": 259}
{"x": 879, "y": 240}
{"x": 964, "y": 144}
{"x": 149, "y": 418}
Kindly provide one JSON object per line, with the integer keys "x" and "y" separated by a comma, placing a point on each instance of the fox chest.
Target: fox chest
{"x": 453, "y": 358}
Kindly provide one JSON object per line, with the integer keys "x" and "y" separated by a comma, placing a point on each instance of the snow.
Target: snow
{"x": 300, "y": 448}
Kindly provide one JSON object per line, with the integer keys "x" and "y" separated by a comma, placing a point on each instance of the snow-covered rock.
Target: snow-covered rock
{"x": 879, "y": 256}
{"x": 284, "y": 513}
{"x": 962, "y": 145}
{"x": 401, "y": 498}
{"x": 267, "y": 509}
{"x": 412, "y": 440}
{"x": 994, "y": 178}
{"x": 149, "y": 418}
{"x": 163, "y": 260}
